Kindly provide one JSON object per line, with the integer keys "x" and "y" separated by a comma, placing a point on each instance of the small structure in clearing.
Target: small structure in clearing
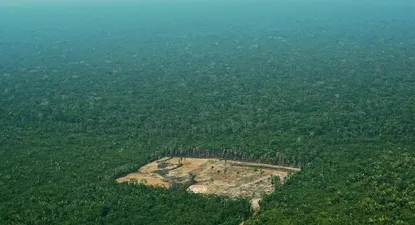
{"x": 213, "y": 176}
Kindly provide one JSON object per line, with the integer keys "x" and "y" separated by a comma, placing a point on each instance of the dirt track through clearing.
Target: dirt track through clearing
{"x": 213, "y": 176}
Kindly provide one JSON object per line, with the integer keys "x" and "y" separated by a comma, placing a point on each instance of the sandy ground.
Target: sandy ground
{"x": 212, "y": 176}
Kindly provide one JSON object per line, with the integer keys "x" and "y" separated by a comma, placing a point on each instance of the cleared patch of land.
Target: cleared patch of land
{"x": 213, "y": 176}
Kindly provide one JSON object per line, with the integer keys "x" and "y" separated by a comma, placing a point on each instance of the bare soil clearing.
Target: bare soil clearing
{"x": 213, "y": 176}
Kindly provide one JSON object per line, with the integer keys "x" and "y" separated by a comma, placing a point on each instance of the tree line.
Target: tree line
{"x": 276, "y": 158}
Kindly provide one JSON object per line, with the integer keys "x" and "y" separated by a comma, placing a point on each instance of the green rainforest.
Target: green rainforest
{"x": 93, "y": 90}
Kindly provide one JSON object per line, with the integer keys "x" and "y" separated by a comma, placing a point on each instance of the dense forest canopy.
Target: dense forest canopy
{"x": 89, "y": 93}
